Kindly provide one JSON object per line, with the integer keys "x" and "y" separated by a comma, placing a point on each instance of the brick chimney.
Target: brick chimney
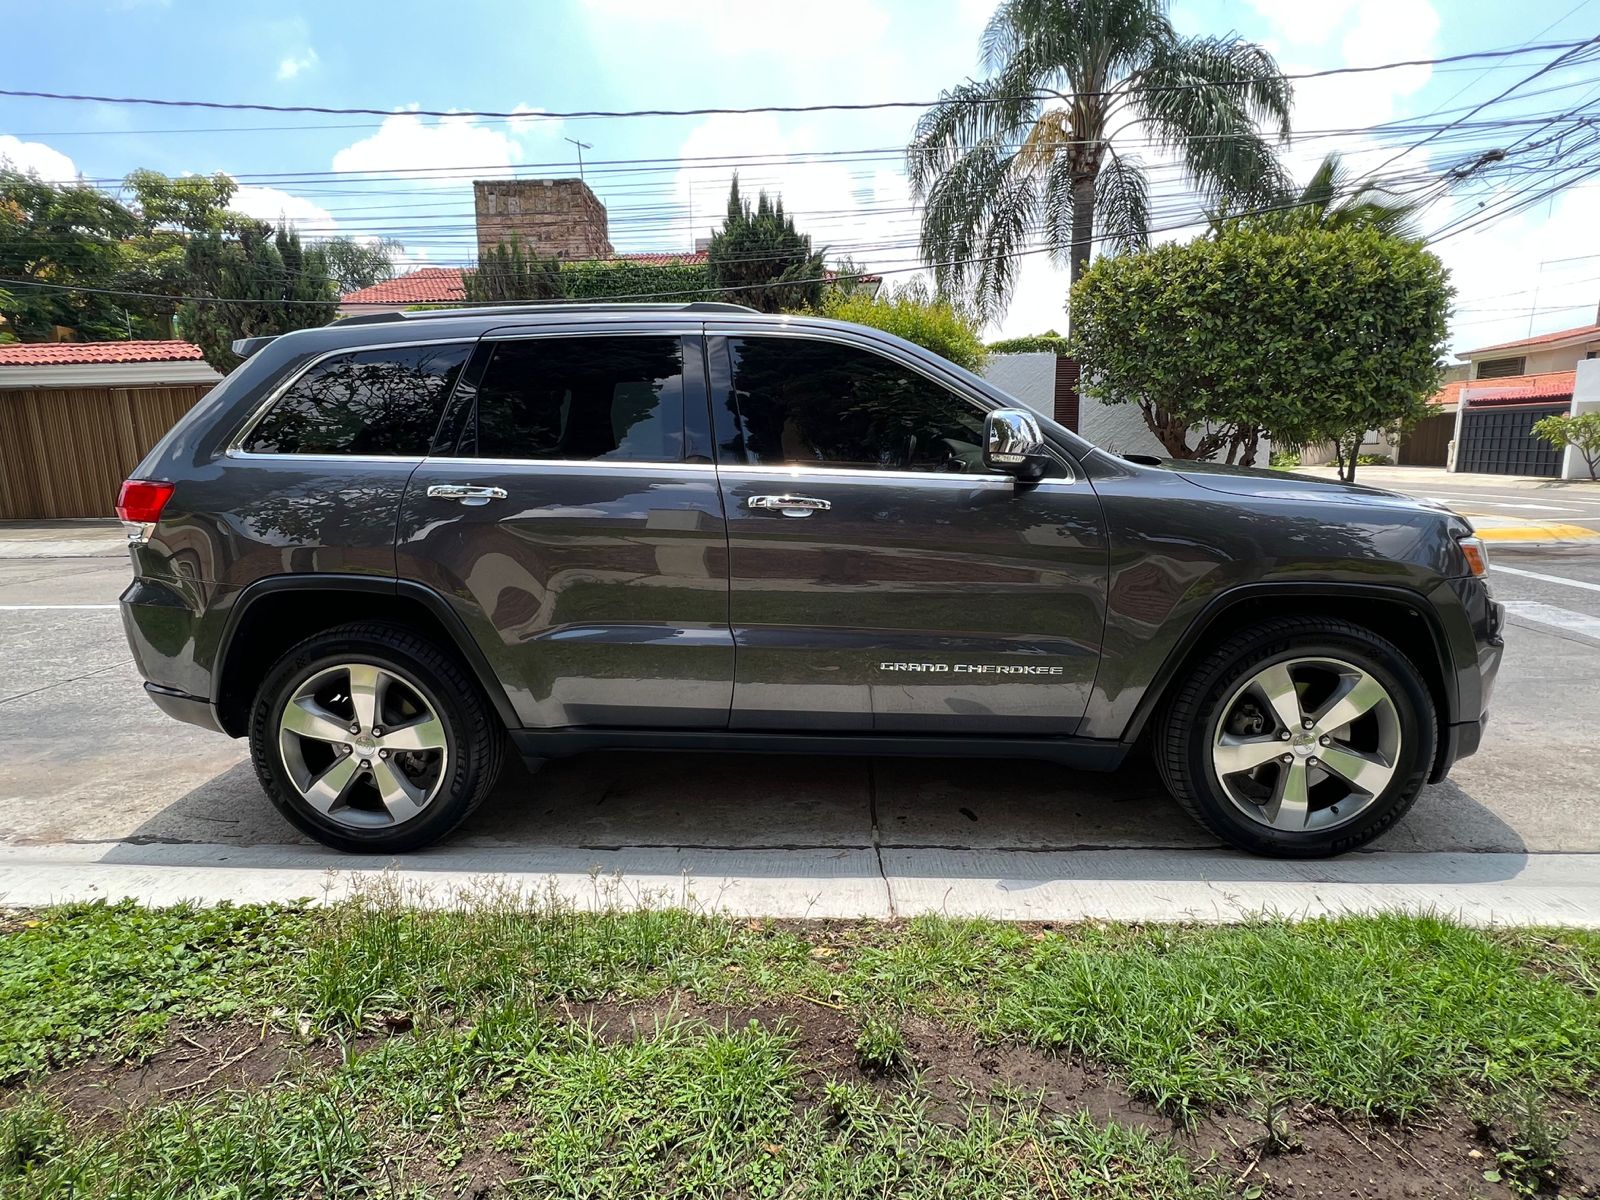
{"x": 551, "y": 217}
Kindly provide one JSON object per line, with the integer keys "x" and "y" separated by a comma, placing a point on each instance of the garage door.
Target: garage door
{"x": 1499, "y": 441}
{"x": 1428, "y": 445}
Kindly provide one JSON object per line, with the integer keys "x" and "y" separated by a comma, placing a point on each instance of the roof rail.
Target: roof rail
{"x": 709, "y": 306}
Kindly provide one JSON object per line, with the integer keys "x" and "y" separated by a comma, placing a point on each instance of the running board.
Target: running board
{"x": 1089, "y": 754}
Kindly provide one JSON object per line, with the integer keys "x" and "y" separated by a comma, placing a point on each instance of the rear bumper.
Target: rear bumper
{"x": 192, "y": 710}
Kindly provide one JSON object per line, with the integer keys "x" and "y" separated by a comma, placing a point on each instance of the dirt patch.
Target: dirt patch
{"x": 1328, "y": 1156}
{"x": 195, "y": 1061}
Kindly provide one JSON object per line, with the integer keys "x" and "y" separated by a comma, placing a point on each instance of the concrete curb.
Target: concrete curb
{"x": 1073, "y": 885}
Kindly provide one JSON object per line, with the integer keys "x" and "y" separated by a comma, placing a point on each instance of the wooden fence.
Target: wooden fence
{"x": 65, "y": 451}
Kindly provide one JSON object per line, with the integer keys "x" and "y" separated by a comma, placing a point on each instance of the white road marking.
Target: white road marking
{"x": 50, "y": 607}
{"x": 1500, "y": 569}
{"x": 1557, "y": 618}
{"x": 1502, "y": 504}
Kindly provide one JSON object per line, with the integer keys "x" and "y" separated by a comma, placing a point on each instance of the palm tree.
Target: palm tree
{"x": 1333, "y": 200}
{"x": 1028, "y": 150}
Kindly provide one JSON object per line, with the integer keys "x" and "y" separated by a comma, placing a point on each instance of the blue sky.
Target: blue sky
{"x": 414, "y": 173}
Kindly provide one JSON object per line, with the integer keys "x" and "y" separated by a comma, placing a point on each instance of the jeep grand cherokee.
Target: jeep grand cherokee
{"x": 389, "y": 549}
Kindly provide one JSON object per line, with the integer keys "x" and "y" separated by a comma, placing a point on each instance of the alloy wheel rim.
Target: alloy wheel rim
{"x": 1306, "y": 744}
{"x": 363, "y": 745}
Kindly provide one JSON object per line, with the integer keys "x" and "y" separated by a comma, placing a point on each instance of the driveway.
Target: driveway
{"x": 102, "y": 795}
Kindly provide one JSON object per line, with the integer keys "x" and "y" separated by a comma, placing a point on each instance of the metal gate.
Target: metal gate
{"x": 1428, "y": 445}
{"x": 1498, "y": 441}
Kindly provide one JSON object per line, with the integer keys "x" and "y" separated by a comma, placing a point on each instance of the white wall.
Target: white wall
{"x": 1031, "y": 378}
{"x": 1119, "y": 428}
{"x": 1585, "y": 398}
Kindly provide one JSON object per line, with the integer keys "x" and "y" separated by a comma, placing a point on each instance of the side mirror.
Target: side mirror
{"x": 1013, "y": 445}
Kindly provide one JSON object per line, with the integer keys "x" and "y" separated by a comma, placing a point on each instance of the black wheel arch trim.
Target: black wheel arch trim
{"x": 460, "y": 638}
{"x": 1219, "y": 605}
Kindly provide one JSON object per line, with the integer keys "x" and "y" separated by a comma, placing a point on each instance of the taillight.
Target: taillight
{"x": 141, "y": 500}
{"x": 1476, "y": 554}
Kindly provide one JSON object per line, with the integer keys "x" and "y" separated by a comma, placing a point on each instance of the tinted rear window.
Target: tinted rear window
{"x": 613, "y": 398}
{"x": 384, "y": 402}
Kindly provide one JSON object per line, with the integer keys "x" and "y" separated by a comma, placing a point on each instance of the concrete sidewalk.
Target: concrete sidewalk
{"x": 88, "y": 538}
{"x": 1074, "y": 885}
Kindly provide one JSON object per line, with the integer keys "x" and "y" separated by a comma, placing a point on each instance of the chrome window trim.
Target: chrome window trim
{"x": 893, "y": 354}
{"x": 235, "y": 447}
{"x": 569, "y": 464}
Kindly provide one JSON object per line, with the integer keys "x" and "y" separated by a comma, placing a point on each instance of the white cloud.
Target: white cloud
{"x": 271, "y": 204}
{"x": 406, "y": 141}
{"x": 292, "y": 65}
{"x": 45, "y": 161}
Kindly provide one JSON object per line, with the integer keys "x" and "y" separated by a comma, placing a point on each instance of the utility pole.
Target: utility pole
{"x": 582, "y": 146}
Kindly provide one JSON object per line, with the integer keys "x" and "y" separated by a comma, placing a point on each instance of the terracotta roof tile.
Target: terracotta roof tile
{"x": 57, "y": 354}
{"x": 1542, "y": 339}
{"x": 1551, "y": 385}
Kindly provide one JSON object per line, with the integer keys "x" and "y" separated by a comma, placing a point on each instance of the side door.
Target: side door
{"x": 570, "y": 513}
{"x": 880, "y": 578}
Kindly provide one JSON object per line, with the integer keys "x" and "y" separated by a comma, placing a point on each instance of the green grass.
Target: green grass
{"x": 84, "y": 977}
{"x": 686, "y": 1110}
{"x": 1382, "y": 1016}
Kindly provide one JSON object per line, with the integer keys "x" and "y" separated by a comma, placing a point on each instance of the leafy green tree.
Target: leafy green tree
{"x": 54, "y": 237}
{"x": 353, "y": 264}
{"x": 508, "y": 272}
{"x": 1308, "y": 335}
{"x": 933, "y": 322}
{"x": 759, "y": 258}
{"x": 1580, "y": 430}
{"x": 1028, "y": 151}
{"x": 252, "y": 282}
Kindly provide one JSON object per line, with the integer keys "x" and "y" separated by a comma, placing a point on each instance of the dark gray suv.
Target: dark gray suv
{"x": 387, "y": 548}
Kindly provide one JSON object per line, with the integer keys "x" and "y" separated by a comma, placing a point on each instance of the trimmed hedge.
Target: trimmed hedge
{"x": 619, "y": 279}
{"x": 1038, "y": 343}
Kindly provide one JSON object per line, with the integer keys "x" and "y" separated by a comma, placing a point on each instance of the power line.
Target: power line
{"x": 546, "y": 114}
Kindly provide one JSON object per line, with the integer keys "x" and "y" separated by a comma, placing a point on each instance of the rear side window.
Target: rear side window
{"x": 381, "y": 402}
{"x": 618, "y": 399}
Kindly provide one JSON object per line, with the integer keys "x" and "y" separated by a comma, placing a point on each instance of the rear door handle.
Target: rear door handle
{"x": 789, "y": 506}
{"x": 465, "y": 493}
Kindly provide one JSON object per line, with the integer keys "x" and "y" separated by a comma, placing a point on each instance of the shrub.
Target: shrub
{"x": 1581, "y": 431}
{"x": 932, "y": 323}
{"x": 1048, "y": 342}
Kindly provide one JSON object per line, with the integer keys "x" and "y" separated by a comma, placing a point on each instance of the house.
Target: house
{"x": 1508, "y": 388}
{"x": 76, "y": 418}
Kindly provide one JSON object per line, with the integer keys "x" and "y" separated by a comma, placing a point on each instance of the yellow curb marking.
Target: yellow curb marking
{"x": 1527, "y": 533}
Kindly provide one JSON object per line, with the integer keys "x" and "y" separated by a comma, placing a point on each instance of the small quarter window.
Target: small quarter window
{"x": 379, "y": 402}
{"x": 617, "y": 399}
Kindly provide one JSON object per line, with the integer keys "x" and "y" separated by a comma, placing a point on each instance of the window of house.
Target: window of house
{"x": 377, "y": 402}
{"x": 804, "y": 402}
{"x": 617, "y": 399}
{"x": 1501, "y": 368}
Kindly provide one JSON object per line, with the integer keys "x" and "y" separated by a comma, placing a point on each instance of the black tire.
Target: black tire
{"x": 1189, "y": 720}
{"x": 473, "y": 733}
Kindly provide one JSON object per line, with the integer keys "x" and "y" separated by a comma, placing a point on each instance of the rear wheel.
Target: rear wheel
{"x": 373, "y": 739}
{"x": 1300, "y": 738}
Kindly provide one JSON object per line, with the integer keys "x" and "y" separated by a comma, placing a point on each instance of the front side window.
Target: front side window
{"x": 617, "y": 399}
{"x": 805, "y": 402}
{"x": 380, "y": 402}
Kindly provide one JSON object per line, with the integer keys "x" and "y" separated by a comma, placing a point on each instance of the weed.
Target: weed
{"x": 1527, "y": 1142}
{"x": 881, "y": 1048}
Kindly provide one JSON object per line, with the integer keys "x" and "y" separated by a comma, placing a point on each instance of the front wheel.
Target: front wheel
{"x": 372, "y": 739}
{"x": 1300, "y": 738}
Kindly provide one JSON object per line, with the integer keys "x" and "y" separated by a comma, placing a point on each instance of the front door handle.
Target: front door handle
{"x": 465, "y": 493}
{"x": 789, "y": 506}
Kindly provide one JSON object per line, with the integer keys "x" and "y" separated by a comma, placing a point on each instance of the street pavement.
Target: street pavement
{"x": 102, "y": 795}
